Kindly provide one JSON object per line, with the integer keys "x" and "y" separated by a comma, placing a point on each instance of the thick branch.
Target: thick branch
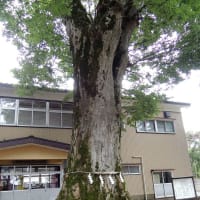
{"x": 130, "y": 21}
{"x": 79, "y": 15}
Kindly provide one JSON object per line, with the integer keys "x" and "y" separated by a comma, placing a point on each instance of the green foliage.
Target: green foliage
{"x": 193, "y": 140}
{"x": 166, "y": 39}
{"x": 37, "y": 29}
{"x": 195, "y": 161}
{"x": 141, "y": 107}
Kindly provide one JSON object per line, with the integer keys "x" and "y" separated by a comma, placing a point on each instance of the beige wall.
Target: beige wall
{"x": 60, "y": 135}
{"x": 157, "y": 151}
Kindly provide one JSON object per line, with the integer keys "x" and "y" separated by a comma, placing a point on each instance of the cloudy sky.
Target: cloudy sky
{"x": 188, "y": 91}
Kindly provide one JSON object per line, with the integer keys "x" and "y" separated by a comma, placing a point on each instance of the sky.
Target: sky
{"x": 187, "y": 91}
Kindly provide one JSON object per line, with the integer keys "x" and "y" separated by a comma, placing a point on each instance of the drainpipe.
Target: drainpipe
{"x": 143, "y": 176}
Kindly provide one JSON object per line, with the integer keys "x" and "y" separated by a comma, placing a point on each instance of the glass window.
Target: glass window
{"x": 169, "y": 126}
{"x": 38, "y": 168}
{"x": 7, "y": 116}
{"x": 150, "y": 127}
{"x": 55, "y": 106}
{"x": 8, "y": 103}
{"x": 67, "y": 119}
{"x": 161, "y": 126}
{"x": 55, "y": 119}
{"x": 39, "y": 105}
{"x": 53, "y": 168}
{"x": 25, "y": 177}
{"x": 67, "y": 107}
{"x": 39, "y": 118}
{"x": 125, "y": 169}
{"x": 140, "y": 126}
{"x": 157, "y": 126}
{"x": 167, "y": 177}
{"x": 163, "y": 184}
{"x": 26, "y": 112}
{"x": 24, "y": 103}
{"x": 54, "y": 181}
{"x": 25, "y": 117}
{"x": 131, "y": 169}
{"x": 157, "y": 177}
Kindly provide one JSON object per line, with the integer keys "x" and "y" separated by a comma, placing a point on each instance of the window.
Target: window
{"x": 162, "y": 184}
{"x": 146, "y": 126}
{"x": 27, "y": 112}
{"x": 155, "y": 126}
{"x": 130, "y": 169}
{"x": 29, "y": 177}
{"x": 7, "y": 111}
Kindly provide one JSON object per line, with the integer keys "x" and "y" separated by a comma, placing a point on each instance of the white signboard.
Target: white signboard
{"x": 184, "y": 188}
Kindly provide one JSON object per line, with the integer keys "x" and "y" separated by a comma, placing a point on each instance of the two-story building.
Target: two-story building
{"x": 35, "y": 134}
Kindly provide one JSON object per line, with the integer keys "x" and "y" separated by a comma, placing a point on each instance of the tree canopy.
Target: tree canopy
{"x": 163, "y": 47}
{"x": 166, "y": 38}
{"x": 98, "y": 42}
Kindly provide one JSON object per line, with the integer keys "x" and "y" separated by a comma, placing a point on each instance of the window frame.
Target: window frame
{"x": 163, "y": 183}
{"x": 129, "y": 171}
{"x": 155, "y": 124}
{"x": 2, "y": 107}
{"x": 12, "y": 174}
{"x": 16, "y": 112}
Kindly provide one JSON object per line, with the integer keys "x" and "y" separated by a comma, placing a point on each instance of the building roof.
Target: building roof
{"x": 34, "y": 140}
{"x": 177, "y": 103}
{"x": 64, "y": 91}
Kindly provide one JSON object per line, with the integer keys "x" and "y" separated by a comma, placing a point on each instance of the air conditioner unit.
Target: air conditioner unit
{"x": 167, "y": 114}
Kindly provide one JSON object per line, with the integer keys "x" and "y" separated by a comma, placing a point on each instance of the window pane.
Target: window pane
{"x": 67, "y": 119}
{"x": 131, "y": 169}
{"x": 67, "y": 107}
{"x": 37, "y": 181}
{"x": 169, "y": 126}
{"x": 8, "y": 103}
{"x": 53, "y": 168}
{"x": 25, "y": 103}
{"x": 55, "y": 119}
{"x": 6, "y": 170}
{"x": 54, "y": 181}
{"x": 157, "y": 177}
{"x": 38, "y": 169}
{"x": 161, "y": 126}
{"x": 18, "y": 182}
{"x": 21, "y": 169}
{"x": 5, "y": 183}
{"x": 55, "y": 106}
{"x": 25, "y": 117}
{"x": 39, "y": 105}
{"x": 125, "y": 169}
{"x": 140, "y": 126}
{"x": 7, "y": 116}
{"x": 150, "y": 126}
{"x": 134, "y": 169}
{"x": 39, "y": 118}
{"x": 167, "y": 177}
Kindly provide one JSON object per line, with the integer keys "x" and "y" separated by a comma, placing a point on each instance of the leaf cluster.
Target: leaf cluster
{"x": 37, "y": 29}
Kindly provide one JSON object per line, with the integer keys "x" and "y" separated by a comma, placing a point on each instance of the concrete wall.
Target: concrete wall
{"x": 55, "y": 134}
{"x": 157, "y": 152}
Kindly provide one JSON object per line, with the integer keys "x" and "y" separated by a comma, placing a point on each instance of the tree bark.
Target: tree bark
{"x": 99, "y": 48}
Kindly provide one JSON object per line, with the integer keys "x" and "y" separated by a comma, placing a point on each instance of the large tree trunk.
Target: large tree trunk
{"x": 99, "y": 51}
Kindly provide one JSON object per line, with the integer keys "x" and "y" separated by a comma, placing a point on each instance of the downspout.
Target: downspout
{"x": 143, "y": 176}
